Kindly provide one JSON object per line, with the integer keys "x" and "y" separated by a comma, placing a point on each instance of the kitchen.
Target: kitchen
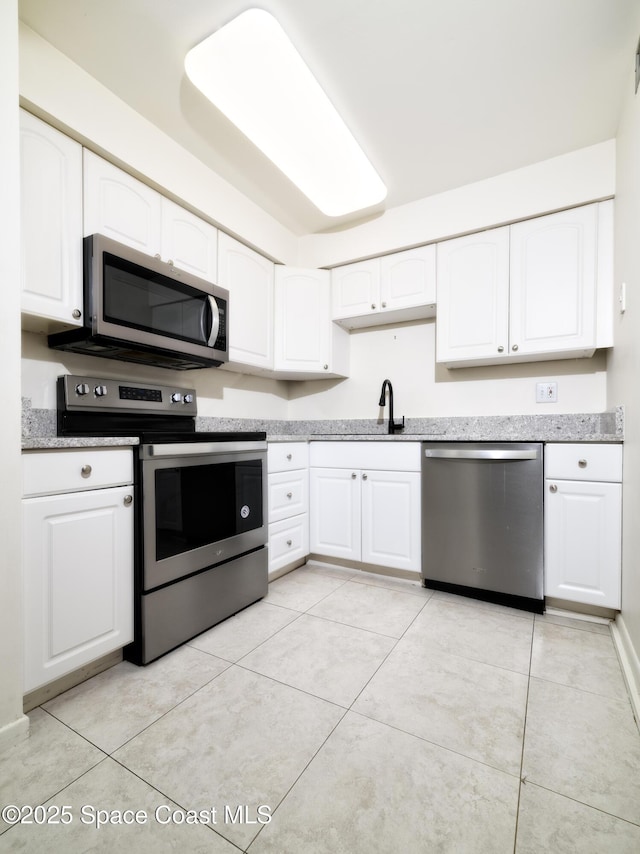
{"x": 588, "y": 385}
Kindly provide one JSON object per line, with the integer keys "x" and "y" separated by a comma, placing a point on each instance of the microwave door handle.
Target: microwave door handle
{"x": 215, "y": 321}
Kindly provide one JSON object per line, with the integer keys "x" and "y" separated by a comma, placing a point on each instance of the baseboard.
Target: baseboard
{"x": 629, "y": 661}
{"x": 14, "y": 733}
{"x": 52, "y": 689}
{"x": 376, "y": 569}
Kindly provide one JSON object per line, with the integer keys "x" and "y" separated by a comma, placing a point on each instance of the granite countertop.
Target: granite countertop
{"x": 39, "y": 429}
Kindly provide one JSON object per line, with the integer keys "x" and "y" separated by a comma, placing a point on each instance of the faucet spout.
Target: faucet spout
{"x": 393, "y": 427}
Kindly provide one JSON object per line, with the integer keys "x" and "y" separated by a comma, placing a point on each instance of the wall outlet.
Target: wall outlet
{"x": 546, "y": 392}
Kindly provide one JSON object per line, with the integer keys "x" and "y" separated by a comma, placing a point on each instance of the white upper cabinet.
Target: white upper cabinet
{"x": 51, "y": 227}
{"x": 526, "y": 292}
{"x": 249, "y": 279}
{"x": 473, "y": 296}
{"x": 121, "y": 207}
{"x": 307, "y": 342}
{"x": 391, "y": 289}
{"x": 189, "y": 242}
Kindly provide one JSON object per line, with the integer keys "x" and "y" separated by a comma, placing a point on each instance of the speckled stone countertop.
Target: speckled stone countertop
{"x": 39, "y": 429}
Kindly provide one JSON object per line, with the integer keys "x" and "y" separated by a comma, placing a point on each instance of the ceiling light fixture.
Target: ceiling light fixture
{"x": 254, "y": 75}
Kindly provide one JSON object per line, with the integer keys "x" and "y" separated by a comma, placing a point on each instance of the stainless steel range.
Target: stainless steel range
{"x": 201, "y": 499}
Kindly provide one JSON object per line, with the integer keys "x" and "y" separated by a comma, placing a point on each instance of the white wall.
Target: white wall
{"x": 624, "y": 362}
{"x": 13, "y": 724}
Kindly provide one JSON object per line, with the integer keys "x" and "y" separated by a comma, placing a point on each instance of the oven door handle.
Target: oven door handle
{"x": 215, "y": 321}
{"x": 198, "y": 449}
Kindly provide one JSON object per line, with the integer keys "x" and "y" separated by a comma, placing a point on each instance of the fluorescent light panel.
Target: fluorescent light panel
{"x": 254, "y": 75}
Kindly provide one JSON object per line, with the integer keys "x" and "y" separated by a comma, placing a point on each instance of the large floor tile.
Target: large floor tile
{"x": 584, "y": 746}
{"x": 580, "y": 659}
{"x": 301, "y": 590}
{"x": 102, "y": 793}
{"x": 243, "y": 632}
{"x": 117, "y": 704}
{"x": 374, "y": 790}
{"x": 48, "y": 760}
{"x": 325, "y": 658}
{"x": 376, "y": 609}
{"x": 553, "y": 823}
{"x": 241, "y": 740}
{"x": 473, "y": 708}
{"x": 481, "y": 634}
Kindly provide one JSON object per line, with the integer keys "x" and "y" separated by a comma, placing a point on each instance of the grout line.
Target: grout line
{"x": 524, "y": 735}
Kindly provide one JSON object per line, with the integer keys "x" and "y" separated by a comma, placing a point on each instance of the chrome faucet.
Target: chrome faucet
{"x": 394, "y": 426}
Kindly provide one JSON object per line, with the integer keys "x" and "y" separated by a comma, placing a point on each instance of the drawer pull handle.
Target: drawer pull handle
{"x": 289, "y": 494}
{"x": 85, "y": 471}
{"x": 128, "y": 500}
{"x": 289, "y": 456}
{"x": 582, "y": 464}
{"x": 553, "y": 488}
{"x": 289, "y": 542}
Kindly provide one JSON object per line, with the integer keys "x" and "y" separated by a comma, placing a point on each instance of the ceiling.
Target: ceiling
{"x": 439, "y": 93}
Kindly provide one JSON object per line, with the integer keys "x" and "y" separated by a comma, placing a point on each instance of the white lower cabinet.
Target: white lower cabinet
{"x": 77, "y": 560}
{"x": 288, "y": 478}
{"x": 583, "y": 523}
{"x": 368, "y": 513}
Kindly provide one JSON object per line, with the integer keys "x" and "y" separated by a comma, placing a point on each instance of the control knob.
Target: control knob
{"x": 176, "y": 397}
{"x": 82, "y": 388}
{"x": 188, "y": 398}
{"x": 100, "y": 390}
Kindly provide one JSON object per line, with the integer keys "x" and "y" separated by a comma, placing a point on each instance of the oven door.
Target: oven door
{"x": 202, "y": 504}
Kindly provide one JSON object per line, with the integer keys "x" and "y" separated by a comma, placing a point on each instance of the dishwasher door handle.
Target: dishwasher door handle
{"x": 492, "y": 455}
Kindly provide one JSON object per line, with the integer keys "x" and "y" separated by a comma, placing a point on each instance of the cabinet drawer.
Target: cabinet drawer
{"x": 583, "y": 462}
{"x": 286, "y": 456}
{"x": 50, "y": 472}
{"x": 288, "y": 541}
{"x": 383, "y": 455}
{"x": 288, "y": 494}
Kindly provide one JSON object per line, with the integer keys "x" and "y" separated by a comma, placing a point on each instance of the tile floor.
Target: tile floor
{"x": 346, "y": 712}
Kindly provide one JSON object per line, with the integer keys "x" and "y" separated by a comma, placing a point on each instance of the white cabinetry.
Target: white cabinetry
{"x": 365, "y": 502}
{"x": 124, "y": 209}
{"x": 288, "y": 467}
{"x": 50, "y": 227}
{"x": 248, "y": 277}
{"x": 307, "y": 343}
{"x": 77, "y": 559}
{"x": 583, "y": 523}
{"x": 526, "y": 292}
{"x": 391, "y": 289}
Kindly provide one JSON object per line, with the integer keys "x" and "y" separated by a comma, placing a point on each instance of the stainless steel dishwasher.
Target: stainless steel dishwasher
{"x": 482, "y": 520}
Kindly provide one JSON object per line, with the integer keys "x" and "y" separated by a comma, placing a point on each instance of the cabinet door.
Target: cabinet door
{"x": 51, "y": 225}
{"x": 582, "y": 541}
{"x": 408, "y": 278}
{"x": 473, "y": 297}
{"x": 334, "y": 523}
{"x": 355, "y": 289}
{"x": 248, "y": 277}
{"x": 302, "y": 322}
{"x": 121, "y": 207}
{"x": 189, "y": 242}
{"x": 391, "y": 519}
{"x": 553, "y": 282}
{"x": 78, "y": 580}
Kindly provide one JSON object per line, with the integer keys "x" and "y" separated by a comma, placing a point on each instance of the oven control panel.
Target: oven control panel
{"x": 99, "y": 394}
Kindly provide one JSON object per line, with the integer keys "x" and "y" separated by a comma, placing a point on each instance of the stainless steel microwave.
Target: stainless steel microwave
{"x": 141, "y": 309}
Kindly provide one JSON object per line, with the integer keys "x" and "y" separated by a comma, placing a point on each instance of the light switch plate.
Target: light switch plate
{"x": 546, "y": 392}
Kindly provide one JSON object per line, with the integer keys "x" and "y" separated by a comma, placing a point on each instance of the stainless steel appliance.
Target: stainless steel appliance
{"x": 201, "y": 507}
{"x": 482, "y": 520}
{"x": 141, "y": 309}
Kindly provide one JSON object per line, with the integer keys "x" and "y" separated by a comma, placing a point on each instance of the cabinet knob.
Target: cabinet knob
{"x": 353, "y": 475}
{"x": 76, "y": 313}
{"x": 553, "y": 488}
{"x": 85, "y": 471}
{"x": 384, "y": 305}
{"x": 326, "y": 367}
{"x": 289, "y": 542}
{"x": 289, "y": 456}
{"x": 582, "y": 464}
{"x": 514, "y": 348}
{"x": 365, "y": 476}
{"x": 501, "y": 349}
{"x": 127, "y": 500}
{"x": 373, "y": 306}
{"x": 289, "y": 494}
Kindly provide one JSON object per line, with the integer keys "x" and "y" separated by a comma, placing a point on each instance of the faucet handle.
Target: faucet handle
{"x": 398, "y": 425}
